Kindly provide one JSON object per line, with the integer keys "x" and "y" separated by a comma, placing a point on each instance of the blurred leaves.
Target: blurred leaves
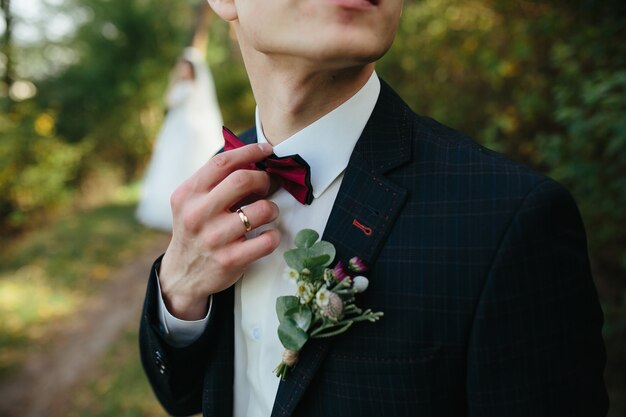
{"x": 589, "y": 154}
{"x": 36, "y": 167}
{"x": 112, "y": 94}
{"x": 96, "y": 110}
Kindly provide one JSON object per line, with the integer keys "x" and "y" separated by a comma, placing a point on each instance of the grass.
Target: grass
{"x": 47, "y": 273}
{"x": 120, "y": 389}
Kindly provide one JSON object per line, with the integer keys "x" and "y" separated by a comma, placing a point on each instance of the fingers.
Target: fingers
{"x": 223, "y": 164}
{"x": 251, "y": 198}
{"x": 231, "y": 228}
{"x": 242, "y": 253}
{"x": 208, "y": 250}
{"x": 257, "y": 214}
{"x": 237, "y": 186}
{"x": 218, "y": 229}
{"x": 195, "y": 211}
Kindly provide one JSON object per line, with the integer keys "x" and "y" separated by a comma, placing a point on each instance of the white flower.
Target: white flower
{"x": 305, "y": 292}
{"x": 360, "y": 283}
{"x": 291, "y": 274}
{"x": 322, "y": 297}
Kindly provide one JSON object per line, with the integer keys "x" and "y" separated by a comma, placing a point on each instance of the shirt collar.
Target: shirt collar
{"x": 327, "y": 143}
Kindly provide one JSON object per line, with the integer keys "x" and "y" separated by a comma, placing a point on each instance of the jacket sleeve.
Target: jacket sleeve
{"x": 535, "y": 347}
{"x": 181, "y": 376}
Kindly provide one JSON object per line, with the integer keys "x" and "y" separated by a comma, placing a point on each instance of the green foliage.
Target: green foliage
{"x": 97, "y": 110}
{"x": 36, "y": 167}
{"x": 589, "y": 154}
{"x": 309, "y": 253}
{"x": 295, "y": 319}
{"x": 292, "y": 336}
{"x": 540, "y": 81}
{"x": 306, "y": 238}
{"x": 231, "y": 81}
{"x": 113, "y": 94}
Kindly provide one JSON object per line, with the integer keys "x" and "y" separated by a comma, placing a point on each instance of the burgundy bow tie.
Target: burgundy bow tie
{"x": 292, "y": 172}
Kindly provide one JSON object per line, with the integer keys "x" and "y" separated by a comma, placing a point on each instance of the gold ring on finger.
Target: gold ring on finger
{"x": 244, "y": 220}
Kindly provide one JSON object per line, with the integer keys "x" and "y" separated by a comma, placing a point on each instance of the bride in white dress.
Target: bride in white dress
{"x": 190, "y": 135}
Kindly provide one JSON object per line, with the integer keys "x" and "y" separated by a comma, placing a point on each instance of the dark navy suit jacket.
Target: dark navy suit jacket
{"x": 480, "y": 266}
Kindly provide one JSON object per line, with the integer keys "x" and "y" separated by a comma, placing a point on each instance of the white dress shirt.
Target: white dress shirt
{"x": 326, "y": 145}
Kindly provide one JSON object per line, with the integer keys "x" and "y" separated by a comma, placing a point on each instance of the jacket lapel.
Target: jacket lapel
{"x": 364, "y": 212}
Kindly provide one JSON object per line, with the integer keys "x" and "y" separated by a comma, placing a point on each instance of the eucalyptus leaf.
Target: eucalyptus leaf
{"x": 323, "y": 248}
{"x": 291, "y": 336}
{"x": 295, "y": 259}
{"x": 306, "y": 238}
{"x": 322, "y": 260}
{"x": 301, "y": 315}
{"x": 284, "y": 304}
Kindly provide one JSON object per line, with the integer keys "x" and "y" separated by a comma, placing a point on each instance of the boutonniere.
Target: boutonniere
{"x": 324, "y": 303}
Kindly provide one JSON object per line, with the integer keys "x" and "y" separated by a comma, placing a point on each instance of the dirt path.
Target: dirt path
{"x": 39, "y": 389}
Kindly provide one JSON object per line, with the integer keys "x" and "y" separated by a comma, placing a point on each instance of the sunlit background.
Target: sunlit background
{"x": 81, "y": 101}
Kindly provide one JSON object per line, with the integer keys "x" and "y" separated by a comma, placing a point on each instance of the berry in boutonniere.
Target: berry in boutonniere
{"x": 324, "y": 302}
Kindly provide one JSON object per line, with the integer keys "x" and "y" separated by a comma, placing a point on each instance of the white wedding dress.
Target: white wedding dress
{"x": 191, "y": 134}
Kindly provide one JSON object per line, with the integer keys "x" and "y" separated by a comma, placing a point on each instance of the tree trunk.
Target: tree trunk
{"x": 6, "y": 49}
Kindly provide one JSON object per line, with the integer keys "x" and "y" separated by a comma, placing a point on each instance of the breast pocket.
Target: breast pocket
{"x": 398, "y": 384}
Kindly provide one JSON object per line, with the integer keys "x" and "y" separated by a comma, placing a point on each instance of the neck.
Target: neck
{"x": 292, "y": 94}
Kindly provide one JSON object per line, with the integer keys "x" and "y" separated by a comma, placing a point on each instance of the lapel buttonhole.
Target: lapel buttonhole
{"x": 366, "y": 230}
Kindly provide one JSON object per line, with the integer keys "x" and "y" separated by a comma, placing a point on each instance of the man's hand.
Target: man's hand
{"x": 208, "y": 251}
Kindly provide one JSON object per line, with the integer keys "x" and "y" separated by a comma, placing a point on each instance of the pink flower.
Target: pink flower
{"x": 340, "y": 271}
{"x": 357, "y": 265}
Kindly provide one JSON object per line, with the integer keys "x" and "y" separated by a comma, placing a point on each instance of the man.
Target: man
{"x": 478, "y": 263}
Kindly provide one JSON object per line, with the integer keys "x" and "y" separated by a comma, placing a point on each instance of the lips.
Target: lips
{"x": 355, "y": 4}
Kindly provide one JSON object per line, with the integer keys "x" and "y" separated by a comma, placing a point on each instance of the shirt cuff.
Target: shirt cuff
{"x": 179, "y": 332}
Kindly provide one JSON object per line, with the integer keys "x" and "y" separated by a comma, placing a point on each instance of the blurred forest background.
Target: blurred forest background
{"x": 81, "y": 100}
